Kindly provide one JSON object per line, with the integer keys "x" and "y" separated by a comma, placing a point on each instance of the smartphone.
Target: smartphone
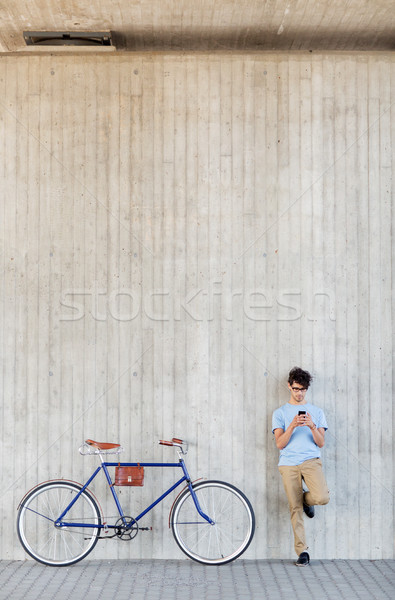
{"x": 302, "y": 412}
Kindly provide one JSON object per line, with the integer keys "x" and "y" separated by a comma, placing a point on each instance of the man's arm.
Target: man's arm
{"x": 318, "y": 433}
{"x": 318, "y": 436}
{"x": 282, "y": 437}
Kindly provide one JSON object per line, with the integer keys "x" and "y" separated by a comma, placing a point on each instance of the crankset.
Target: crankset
{"x": 126, "y": 528}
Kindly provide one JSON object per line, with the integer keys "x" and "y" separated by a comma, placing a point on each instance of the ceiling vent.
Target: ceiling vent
{"x": 68, "y": 38}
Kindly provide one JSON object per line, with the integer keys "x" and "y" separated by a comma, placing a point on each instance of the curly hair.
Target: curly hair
{"x": 298, "y": 375}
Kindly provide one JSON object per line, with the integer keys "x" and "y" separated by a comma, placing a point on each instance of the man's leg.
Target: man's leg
{"x": 314, "y": 478}
{"x": 292, "y": 480}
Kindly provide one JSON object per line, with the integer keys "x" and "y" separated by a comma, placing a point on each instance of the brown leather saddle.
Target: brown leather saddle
{"x": 102, "y": 445}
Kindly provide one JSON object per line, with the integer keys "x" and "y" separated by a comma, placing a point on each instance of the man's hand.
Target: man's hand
{"x": 301, "y": 420}
{"x": 309, "y": 421}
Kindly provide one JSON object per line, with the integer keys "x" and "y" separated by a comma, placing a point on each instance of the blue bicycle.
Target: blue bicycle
{"x": 60, "y": 522}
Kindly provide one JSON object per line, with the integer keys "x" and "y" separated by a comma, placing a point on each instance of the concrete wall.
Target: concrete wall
{"x": 177, "y": 231}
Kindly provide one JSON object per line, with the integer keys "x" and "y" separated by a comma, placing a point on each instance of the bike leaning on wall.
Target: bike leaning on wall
{"x": 60, "y": 522}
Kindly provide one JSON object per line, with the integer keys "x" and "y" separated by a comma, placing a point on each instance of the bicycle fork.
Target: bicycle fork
{"x": 194, "y": 496}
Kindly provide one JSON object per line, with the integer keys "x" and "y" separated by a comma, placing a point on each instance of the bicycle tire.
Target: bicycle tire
{"x": 51, "y": 545}
{"x": 233, "y": 528}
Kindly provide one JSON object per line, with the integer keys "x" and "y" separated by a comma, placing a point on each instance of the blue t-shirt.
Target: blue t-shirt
{"x": 301, "y": 446}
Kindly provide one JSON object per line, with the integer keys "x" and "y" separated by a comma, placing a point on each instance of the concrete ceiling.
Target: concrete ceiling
{"x": 143, "y": 25}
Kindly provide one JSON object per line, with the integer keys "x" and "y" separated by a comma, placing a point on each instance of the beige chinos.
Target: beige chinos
{"x": 311, "y": 472}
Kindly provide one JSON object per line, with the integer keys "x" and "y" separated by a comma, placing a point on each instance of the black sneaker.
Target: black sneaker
{"x": 303, "y": 560}
{"x": 308, "y": 510}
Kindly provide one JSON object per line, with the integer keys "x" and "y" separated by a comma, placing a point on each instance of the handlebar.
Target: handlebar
{"x": 181, "y": 444}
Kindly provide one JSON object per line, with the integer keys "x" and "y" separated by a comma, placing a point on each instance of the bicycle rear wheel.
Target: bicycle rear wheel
{"x": 233, "y": 528}
{"x": 51, "y": 545}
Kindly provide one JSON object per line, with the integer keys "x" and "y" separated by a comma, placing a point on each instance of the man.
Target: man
{"x": 299, "y": 429}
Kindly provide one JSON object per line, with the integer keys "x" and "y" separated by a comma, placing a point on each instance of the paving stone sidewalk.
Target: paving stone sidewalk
{"x": 186, "y": 580}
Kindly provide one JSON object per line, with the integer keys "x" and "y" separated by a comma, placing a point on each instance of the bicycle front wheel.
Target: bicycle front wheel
{"x": 42, "y": 539}
{"x": 233, "y": 528}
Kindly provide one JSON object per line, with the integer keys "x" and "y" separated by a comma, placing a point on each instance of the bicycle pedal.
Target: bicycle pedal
{"x": 145, "y": 528}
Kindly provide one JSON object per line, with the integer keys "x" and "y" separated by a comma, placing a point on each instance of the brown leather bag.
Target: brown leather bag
{"x": 129, "y": 476}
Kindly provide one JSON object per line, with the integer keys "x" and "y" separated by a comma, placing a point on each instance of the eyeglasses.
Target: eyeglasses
{"x": 295, "y": 389}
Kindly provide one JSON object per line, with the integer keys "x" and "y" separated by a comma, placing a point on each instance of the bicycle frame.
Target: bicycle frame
{"x": 104, "y": 466}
